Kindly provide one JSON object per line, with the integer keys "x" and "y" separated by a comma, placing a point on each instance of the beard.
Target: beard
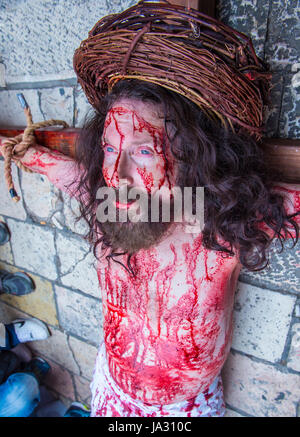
{"x": 130, "y": 237}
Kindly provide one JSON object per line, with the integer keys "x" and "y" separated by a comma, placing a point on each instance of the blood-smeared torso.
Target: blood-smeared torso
{"x": 168, "y": 329}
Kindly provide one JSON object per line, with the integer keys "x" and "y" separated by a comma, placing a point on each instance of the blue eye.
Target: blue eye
{"x": 109, "y": 149}
{"x": 145, "y": 152}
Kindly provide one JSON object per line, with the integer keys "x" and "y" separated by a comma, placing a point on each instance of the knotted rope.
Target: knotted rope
{"x": 13, "y": 149}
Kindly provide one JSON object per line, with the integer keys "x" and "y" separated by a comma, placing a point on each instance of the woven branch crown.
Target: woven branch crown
{"x": 180, "y": 49}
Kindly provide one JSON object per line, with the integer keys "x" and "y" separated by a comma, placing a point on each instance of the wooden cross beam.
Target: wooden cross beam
{"x": 280, "y": 153}
{"x": 54, "y": 138}
{"x": 207, "y": 7}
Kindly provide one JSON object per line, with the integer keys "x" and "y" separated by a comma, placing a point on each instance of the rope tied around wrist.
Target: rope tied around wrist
{"x": 13, "y": 149}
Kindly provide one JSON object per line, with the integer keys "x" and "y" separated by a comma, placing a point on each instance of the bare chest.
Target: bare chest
{"x": 172, "y": 287}
{"x": 174, "y": 315}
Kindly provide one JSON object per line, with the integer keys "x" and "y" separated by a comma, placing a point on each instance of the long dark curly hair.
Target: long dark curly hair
{"x": 239, "y": 199}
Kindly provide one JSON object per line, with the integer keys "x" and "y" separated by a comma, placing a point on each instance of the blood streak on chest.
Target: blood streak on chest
{"x": 111, "y": 117}
{"x": 181, "y": 338}
{"x": 163, "y": 283}
{"x": 191, "y": 255}
{"x": 158, "y": 138}
{"x": 128, "y": 296}
{"x": 208, "y": 296}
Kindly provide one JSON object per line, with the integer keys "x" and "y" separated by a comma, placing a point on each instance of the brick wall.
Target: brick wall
{"x": 262, "y": 374}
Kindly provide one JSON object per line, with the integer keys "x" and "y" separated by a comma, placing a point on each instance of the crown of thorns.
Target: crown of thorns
{"x": 180, "y": 49}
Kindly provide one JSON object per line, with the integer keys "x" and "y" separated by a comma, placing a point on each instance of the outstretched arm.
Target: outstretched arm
{"x": 60, "y": 169}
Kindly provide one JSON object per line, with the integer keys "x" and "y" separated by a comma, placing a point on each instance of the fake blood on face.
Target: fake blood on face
{"x": 147, "y": 178}
{"x": 124, "y": 125}
{"x": 112, "y": 117}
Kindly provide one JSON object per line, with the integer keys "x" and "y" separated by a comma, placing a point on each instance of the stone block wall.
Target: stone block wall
{"x": 274, "y": 28}
{"x": 38, "y": 38}
{"x": 261, "y": 375}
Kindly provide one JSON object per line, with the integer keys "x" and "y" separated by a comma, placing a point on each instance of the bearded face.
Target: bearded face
{"x": 137, "y": 158}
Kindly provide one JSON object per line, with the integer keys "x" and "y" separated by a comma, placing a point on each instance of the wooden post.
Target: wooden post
{"x": 187, "y": 3}
{"x": 63, "y": 140}
{"x": 280, "y": 154}
{"x": 207, "y": 7}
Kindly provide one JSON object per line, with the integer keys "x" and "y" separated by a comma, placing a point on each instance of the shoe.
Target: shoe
{"x": 4, "y": 233}
{"x": 17, "y": 284}
{"x": 77, "y": 409}
{"x": 28, "y": 330}
{"x": 38, "y": 367}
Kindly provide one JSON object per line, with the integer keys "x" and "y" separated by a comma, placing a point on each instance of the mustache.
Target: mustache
{"x": 136, "y": 204}
{"x": 130, "y": 193}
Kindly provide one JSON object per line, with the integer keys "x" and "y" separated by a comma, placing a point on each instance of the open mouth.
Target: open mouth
{"x": 126, "y": 205}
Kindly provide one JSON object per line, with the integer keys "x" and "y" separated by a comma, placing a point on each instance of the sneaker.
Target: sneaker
{"x": 17, "y": 284}
{"x": 4, "y": 233}
{"x": 38, "y": 367}
{"x": 77, "y": 409}
{"x": 28, "y": 330}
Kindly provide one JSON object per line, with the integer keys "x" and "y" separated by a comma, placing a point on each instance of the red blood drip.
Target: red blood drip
{"x": 163, "y": 287}
{"x": 107, "y": 179}
{"x": 140, "y": 126}
{"x": 208, "y": 278}
{"x": 191, "y": 255}
{"x": 147, "y": 178}
{"x": 121, "y": 143}
{"x": 207, "y": 395}
{"x": 37, "y": 162}
{"x": 190, "y": 405}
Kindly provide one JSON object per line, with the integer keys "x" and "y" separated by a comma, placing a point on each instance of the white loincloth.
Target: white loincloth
{"x": 109, "y": 400}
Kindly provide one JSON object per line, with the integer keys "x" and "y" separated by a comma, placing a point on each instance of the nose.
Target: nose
{"x": 124, "y": 170}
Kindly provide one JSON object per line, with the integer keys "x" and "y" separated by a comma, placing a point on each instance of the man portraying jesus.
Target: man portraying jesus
{"x": 168, "y": 294}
